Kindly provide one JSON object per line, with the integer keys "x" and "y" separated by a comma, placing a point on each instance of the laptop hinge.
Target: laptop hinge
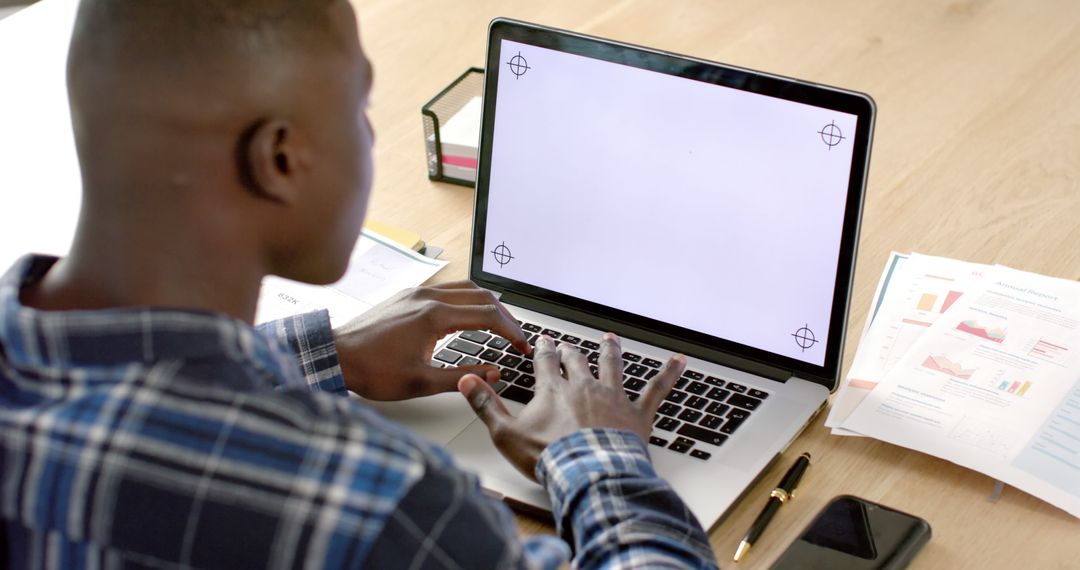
{"x": 646, "y": 336}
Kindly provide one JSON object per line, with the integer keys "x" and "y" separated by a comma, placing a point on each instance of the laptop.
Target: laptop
{"x": 685, "y": 205}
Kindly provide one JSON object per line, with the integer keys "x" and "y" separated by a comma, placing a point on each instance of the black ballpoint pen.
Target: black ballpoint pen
{"x": 780, "y": 495}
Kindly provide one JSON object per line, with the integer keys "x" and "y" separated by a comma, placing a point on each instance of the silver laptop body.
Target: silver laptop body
{"x": 685, "y": 205}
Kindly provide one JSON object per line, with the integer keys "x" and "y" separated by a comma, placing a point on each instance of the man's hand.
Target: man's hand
{"x": 385, "y": 354}
{"x": 565, "y": 404}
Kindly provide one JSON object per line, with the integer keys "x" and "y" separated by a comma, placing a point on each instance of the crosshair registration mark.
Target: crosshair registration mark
{"x": 804, "y": 337}
{"x": 831, "y": 135}
{"x": 518, "y": 65}
{"x": 502, "y": 255}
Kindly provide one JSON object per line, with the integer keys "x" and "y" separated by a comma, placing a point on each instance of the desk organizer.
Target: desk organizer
{"x": 452, "y": 129}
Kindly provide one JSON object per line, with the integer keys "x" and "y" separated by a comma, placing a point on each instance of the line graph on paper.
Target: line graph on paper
{"x": 983, "y": 435}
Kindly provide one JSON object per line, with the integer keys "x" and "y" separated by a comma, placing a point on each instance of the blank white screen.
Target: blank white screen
{"x": 702, "y": 206}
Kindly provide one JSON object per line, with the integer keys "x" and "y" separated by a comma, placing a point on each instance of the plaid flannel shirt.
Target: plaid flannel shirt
{"x": 147, "y": 437}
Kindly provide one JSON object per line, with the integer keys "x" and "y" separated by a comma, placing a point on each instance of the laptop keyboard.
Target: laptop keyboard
{"x": 699, "y": 414}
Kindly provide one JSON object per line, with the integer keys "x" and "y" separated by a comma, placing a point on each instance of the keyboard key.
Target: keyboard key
{"x": 470, "y": 348}
{"x": 437, "y": 364}
{"x": 693, "y": 375}
{"x": 583, "y": 350}
{"x": 679, "y": 446}
{"x": 710, "y": 421}
{"x": 731, "y": 425}
{"x": 532, "y": 339}
{"x": 718, "y": 394}
{"x": 630, "y": 356}
{"x": 714, "y": 381}
{"x": 676, "y": 396}
{"x": 570, "y": 339}
{"x": 635, "y": 384}
{"x": 697, "y": 388}
{"x": 527, "y": 367}
{"x": 553, "y": 334}
{"x": 668, "y": 424}
{"x": 509, "y": 361}
{"x": 514, "y": 351}
{"x": 491, "y": 355}
{"x": 689, "y": 415}
{"x": 476, "y": 336}
{"x": 649, "y": 375}
{"x": 736, "y": 387}
{"x": 507, "y": 375}
{"x": 701, "y": 434}
{"x": 525, "y": 380}
{"x": 658, "y": 441}
{"x": 696, "y": 402}
{"x": 744, "y": 401}
{"x": 448, "y": 356}
{"x": 593, "y": 357}
{"x": 517, "y": 394}
{"x": 498, "y": 386}
{"x": 595, "y": 370}
{"x": 758, "y": 394}
{"x": 700, "y": 454}
{"x": 469, "y": 361}
{"x": 633, "y": 396}
{"x": 681, "y": 383}
{"x": 668, "y": 409}
{"x": 590, "y": 345}
{"x": 737, "y": 414}
{"x": 530, "y": 327}
{"x": 636, "y": 370}
{"x": 652, "y": 363}
{"x": 717, "y": 408}
{"x": 498, "y": 343}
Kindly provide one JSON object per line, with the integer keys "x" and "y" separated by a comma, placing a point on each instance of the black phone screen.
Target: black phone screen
{"x": 854, "y": 533}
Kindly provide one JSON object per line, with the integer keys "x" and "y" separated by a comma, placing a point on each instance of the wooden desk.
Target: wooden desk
{"x": 977, "y": 156}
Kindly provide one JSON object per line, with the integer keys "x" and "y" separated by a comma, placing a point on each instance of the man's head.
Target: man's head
{"x": 240, "y": 121}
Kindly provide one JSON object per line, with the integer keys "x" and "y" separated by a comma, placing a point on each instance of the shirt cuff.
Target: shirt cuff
{"x": 311, "y": 339}
{"x": 581, "y": 458}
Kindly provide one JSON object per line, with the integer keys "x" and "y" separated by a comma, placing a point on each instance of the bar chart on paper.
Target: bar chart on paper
{"x": 1048, "y": 351}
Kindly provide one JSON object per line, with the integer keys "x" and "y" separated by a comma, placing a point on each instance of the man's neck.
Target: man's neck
{"x": 109, "y": 269}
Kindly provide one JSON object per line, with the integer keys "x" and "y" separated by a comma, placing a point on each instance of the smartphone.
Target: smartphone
{"x": 853, "y": 533}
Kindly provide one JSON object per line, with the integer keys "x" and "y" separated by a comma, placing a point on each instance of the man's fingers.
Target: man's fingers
{"x": 573, "y": 362}
{"x": 452, "y": 317}
{"x": 483, "y": 400}
{"x": 660, "y": 386}
{"x": 545, "y": 361}
{"x": 611, "y": 361}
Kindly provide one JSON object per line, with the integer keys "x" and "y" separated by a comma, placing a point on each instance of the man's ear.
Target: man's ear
{"x": 267, "y": 157}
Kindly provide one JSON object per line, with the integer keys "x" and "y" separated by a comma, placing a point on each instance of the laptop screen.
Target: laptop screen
{"x": 711, "y": 208}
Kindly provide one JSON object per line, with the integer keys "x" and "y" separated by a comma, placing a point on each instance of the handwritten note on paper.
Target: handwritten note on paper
{"x": 379, "y": 269}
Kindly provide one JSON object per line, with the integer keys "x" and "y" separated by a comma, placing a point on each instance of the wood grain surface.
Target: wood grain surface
{"x": 976, "y": 156}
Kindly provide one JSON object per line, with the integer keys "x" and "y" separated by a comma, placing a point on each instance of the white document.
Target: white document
{"x": 379, "y": 268}
{"x": 912, "y": 294}
{"x": 993, "y": 386}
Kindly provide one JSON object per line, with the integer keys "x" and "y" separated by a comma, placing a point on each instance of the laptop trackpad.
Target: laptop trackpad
{"x": 473, "y": 451}
{"x": 437, "y": 418}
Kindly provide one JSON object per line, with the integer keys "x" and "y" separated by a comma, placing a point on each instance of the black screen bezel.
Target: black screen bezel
{"x": 853, "y": 103}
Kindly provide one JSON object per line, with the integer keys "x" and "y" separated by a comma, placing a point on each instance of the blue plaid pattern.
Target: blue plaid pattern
{"x": 141, "y": 437}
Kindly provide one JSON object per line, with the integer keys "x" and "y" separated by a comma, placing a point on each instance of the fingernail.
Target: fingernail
{"x": 681, "y": 359}
{"x": 544, "y": 341}
{"x": 609, "y": 336}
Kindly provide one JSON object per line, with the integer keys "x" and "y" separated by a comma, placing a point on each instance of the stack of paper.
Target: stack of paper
{"x": 460, "y": 137}
{"x": 976, "y": 364}
{"x": 379, "y": 268}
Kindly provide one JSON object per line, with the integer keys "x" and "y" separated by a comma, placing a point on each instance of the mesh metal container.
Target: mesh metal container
{"x": 439, "y": 110}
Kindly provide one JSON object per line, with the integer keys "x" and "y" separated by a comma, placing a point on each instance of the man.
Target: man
{"x": 145, "y": 423}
